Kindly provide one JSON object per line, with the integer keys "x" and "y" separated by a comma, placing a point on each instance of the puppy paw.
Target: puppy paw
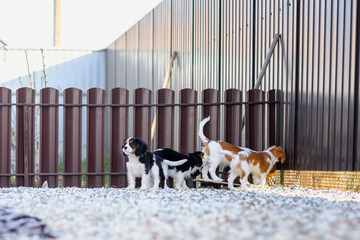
{"x": 131, "y": 188}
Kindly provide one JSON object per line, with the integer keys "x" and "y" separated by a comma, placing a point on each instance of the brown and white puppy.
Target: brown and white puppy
{"x": 212, "y": 155}
{"x": 258, "y": 163}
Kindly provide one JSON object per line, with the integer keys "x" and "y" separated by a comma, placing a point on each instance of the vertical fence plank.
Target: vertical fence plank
{"x": 211, "y": 129}
{"x": 165, "y": 122}
{"x": 72, "y": 137}
{"x": 95, "y": 137}
{"x": 49, "y": 128}
{"x": 142, "y": 115}
{"x": 255, "y": 120}
{"x": 233, "y": 117}
{"x": 119, "y": 131}
{"x": 5, "y": 136}
{"x": 165, "y": 119}
{"x": 274, "y": 117}
{"x": 142, "y": 118}
{"x": 188, "y": 124}
{"x": 25, "y": 144}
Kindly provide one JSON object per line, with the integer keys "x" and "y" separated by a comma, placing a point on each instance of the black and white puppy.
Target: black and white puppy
{"x": 144, "y": 164}
{"x": 180, "y": 172}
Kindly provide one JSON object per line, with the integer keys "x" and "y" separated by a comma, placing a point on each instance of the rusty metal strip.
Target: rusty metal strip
{"x": 345, "y": 181}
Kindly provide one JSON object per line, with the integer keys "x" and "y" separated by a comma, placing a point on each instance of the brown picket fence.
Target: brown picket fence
{"x": 255, "y": 107}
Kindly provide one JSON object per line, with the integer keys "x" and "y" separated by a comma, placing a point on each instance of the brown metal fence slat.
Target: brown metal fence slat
{"x": 233, "y": 117}
{"x": 188, "y": 124}
{"x": 211, "y": 129}
{"x": 118, "y": 132}
{"x": 142, "y": 118}
{"x": 72, "y": 137}
{"x": 25, "y": 144}
{"x": 49, "y": 128}
{"x": 255, "y": 120}
{"x": 5, "y": 136}
{"x": 165, "y": 119}
{"x": 95, "y": 151}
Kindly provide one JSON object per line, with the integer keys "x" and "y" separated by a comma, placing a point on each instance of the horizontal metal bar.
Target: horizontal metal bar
{"x": 133, "y": 105}
{"x": 65, "y": 174}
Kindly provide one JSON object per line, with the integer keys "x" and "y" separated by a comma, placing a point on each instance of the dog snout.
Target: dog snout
{"x": 125, "y": 147}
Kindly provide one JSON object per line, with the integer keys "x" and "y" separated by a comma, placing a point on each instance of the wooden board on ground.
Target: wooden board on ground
{"x": 214, "y": 182}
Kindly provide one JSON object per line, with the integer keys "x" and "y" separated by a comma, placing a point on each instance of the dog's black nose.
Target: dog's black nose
{"x": 124, "y": 148}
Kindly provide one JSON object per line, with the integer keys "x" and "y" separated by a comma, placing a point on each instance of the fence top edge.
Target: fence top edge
{"x": 135, "y": 104}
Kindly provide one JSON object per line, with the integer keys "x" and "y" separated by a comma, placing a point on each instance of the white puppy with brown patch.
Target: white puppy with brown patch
{"x": 258, "y": 163}
{"x": 212, "y": 155}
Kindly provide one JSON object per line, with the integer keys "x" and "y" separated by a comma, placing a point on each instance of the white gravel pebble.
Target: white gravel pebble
{"x": 108, "y": 213}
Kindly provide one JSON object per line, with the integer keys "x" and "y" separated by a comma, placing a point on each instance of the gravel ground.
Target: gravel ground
{"x": 108, "y": 213}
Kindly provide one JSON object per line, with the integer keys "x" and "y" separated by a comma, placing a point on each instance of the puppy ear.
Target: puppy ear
{"x": 280, "y": 153}
{"x": 141, "y": 147}
{"x": 198, "y": 160}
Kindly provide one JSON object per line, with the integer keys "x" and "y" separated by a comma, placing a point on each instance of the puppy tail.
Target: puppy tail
{"x": 175, "y": 163}
{"x": 201, "y": 130}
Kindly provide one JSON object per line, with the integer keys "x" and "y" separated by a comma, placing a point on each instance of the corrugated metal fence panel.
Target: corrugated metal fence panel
{"x": 120, "y": 62}
{"x": 63, "y": 68}
{"x": 132, "y": 58}
{"x": 111, "y": 66}
{"x": 287, "y": 51}
{"x": 236, "y": 33}
{"x": 146, "y": 51}
{"x": 206, "y": 45}
{"x": 162, "y": 42}
{"x": 326, "y": 85}
{"x": 182, "y": 43}
{"x": 278, "y": 17}
{"x": 356, "y": 165}
{"x": 222, "y": 44}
